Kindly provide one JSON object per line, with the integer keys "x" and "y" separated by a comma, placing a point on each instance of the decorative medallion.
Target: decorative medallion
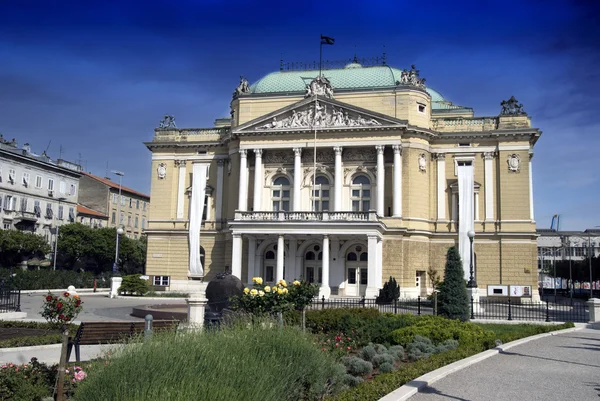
{"x": 167, "y": 122}
{"x": 319, "y": 86}
{"x": 161, "y": 171}
{"x": 319, "y": 115}
{"x": 422, "y": 162}
{"x": 514, "y": 163}
{"x": 512, "y": 107}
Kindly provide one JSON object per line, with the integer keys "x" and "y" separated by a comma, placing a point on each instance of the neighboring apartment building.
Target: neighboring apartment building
{"x": 402, "y": 174}
{"x": 92, "y": 218}
{"x": 100, "y": 195}
{"x": 36, "y": 193}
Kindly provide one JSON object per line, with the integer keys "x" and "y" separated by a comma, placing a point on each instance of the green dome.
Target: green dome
{"x": 352, "y": 76}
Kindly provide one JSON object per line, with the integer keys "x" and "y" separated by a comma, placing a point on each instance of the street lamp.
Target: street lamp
{"x": 56, "y": 235}
{"x": 471, "y": 283}
{"x": 119, "y": 228}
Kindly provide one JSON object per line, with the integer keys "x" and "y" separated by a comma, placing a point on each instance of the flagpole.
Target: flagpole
{"x": 314, "y": 183}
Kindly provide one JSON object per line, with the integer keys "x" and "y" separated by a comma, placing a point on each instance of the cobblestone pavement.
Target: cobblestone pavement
{"x": 560, "y": 367}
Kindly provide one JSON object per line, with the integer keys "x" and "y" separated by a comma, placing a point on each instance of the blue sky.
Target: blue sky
{"x": 95, "y": 77}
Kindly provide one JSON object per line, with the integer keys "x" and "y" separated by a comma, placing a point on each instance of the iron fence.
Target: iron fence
{"x": 510, "y": 309}
{"x": 10, "y": 300}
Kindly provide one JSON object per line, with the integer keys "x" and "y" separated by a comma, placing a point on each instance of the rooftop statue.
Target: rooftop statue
{"x": 319, "y": 86}
{"x": 167, "y": 122}
{"x": 512, "y": 107}
{"x": 243, "y": 87}
{"x": 411, "y": 78}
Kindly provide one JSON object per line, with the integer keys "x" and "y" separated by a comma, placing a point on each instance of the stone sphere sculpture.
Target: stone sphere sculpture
{"x": 220, "y": 289}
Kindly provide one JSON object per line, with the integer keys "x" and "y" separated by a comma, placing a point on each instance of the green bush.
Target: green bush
{"x": 357, "y": 366}
{"x": 386, "y": 367}
{"x": 368, "y": 353}
{"x": 352, "y": 381}
{"x": 52, "y": 336}
{"x": 423, "y": 348}
{"x": 380, "y": 359}
{"x": 50, "y": 279}
{"x": 511, "y": 332}
{"x": 232, "y": 363}
{"x": 438, "y": 329}
{"x": 453, "y": 300}
{"x": 389, "y": 292}
{"x": 397, "y": 351}
{"x": 134, "y": 285}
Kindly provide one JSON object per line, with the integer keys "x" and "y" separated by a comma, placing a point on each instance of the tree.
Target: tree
{"x": 389, "y": 293}
{"x": 453, "y": 299}
{"x": 18, "y": 246}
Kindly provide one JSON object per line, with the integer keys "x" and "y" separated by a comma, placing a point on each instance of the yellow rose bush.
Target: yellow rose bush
{"x": 269, "y": 298}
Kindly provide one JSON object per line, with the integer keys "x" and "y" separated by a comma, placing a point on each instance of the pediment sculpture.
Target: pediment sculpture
{"x": 319, "y": 86}
{"x": 512, "y": 107}
{"x": 319, "y": 115}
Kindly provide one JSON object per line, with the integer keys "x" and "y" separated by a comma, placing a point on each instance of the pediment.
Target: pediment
{"x": 318, "y": 113}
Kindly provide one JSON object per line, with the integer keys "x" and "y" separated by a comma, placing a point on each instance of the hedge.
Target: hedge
{"x": 50, "y": 279}
{"x": 52, "y": 337}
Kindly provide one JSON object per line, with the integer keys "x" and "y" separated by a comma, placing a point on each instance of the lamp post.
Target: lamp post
{"x": 56, "y": 235}
{"x": 119, "y": 228}
{"x": 472, "y": 283}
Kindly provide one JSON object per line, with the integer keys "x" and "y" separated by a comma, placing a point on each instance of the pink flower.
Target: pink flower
{"x": 349, "y": 348}
{"x": 337, "y": 344}
{"x": 79, "y": 376}
{"x": 323, "y": 349}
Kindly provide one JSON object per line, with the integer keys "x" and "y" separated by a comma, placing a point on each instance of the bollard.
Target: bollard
{"x": 323, "y": 302}
{"x": 419, "y": 305}
{"x": 95, "y": 285}
{"x": 396, "y": 306}
{"x": 148, "y": 326}
{"x": 18, "y": 308}
{"x": 509, "y": 312}
{"x": 472, "y": 309}
{"x": 547, "y": 311}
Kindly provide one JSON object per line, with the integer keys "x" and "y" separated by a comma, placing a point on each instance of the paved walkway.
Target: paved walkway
{"x": 559, "y": 367}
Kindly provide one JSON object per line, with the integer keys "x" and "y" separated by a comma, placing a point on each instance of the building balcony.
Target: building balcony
{"x": 295, "y": 217}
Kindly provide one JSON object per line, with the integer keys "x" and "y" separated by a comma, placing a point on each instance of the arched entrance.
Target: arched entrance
{"x": 356, "y": 271}
{"x": 313, "y": 260}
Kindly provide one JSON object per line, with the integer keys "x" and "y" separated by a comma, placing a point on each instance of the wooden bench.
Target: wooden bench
{"x": 95, "y": 333}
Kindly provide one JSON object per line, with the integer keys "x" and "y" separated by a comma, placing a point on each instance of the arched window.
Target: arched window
{"x": 270, "y": 255}
{"x": 310, "y": 255}
{"x": 280, "y": 194}
{"x": 351, "y": 257}
{"x": 320, "y": 199}
{"x": 361, "y": 193}
{"x": 364, "y": 257}
{"x": 202, "y": 256}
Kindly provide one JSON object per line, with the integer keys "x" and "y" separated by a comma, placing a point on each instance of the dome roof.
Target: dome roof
{"x": 352, "y": 76}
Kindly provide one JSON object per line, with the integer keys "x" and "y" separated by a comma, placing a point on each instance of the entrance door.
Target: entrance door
{"x": 356, "y": 284}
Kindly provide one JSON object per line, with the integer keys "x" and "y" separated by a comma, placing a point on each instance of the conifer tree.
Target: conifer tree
{"x": 453, "y": 300}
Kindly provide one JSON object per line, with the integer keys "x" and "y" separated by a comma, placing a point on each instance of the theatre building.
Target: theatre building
{"x": 344, "y": 180}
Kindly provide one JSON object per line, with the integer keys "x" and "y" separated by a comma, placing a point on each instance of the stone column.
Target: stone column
{"x": 180, "y": 187}
{"x": 441, "y": 186}
{"x": 379, "y": 277}
{"x": 115, "y": 284}
{"x": 236, "y": 256}
{"x": 397, "y": 180}
{"x": 196, "y": 310}
{"x": 337, "y": 192}
{"x": 258, "y": 180}
{"x": 488, "y": 158}
{"x": 325, "y": 290}
{"x": 371, "y": 291}
{"x": 251, "y": 259}
{"x": 531, "y": 215}
{"x": 243, "y": 194}
{"x": 219, "y": 197}
{"x": 297, "y": 179}
{"x": 594, "y": 305}
{"x": 280, "y": 254}
{"x": 291, "y": 273}
{"x": 380, "y": 179}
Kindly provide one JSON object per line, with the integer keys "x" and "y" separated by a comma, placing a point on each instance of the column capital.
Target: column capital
{"x": 221, "y": 162}
{"x": 439, "y": 156}
{"x": 397, "y": 148}
{"x": 337, "y": 150}
{"x": 258, "y": 152}
{"x": 179, "y": 163}
{"x": 488, "y": 155}
{"x": 297, "y": 152}
{"x": 236, "y": 235}
{"x": 243, "y": 152}
{"x": 326, "y": 236}
{"x": 379, "y": 149}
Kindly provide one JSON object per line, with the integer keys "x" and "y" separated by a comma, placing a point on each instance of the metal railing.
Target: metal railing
{"x": 10, "y": 300}
{"x": 510, "y": 309}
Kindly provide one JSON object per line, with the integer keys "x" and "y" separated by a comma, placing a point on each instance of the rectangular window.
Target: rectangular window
{"x": 63, "y": 187}
{"x": 6, "y": 225}
{"x": 37, "y": 208}
{"x": 60, "y": 212}
{"x": 71, "y": 214}
{"x": 38, "y": 181}
{"x": 0, "y": 173}
{"x": 161, "y": 281}
{"x": 49, "y": 211}
{"x": 26, "y": 178}
{"x": 144, "y": 206}
{"x": 128, "y": 221}
{"x": 114, "y": 198}
{"x": 73, "y": 189}
{"x": 421, "y": 108}
{"x": 122, "y": 200}
{"x": 137, "y": 204}
{"x": 121, "y": 218}
{"x": 143, "y": 224}
{"x": 113, "y": 218}
{"x": 137, "y": 222}
{"x": 130, "y": 202}
{"x": 50, "y": 184}
{"x": 11, "y": 175}
{"x": 1, "y": 201}
{"x": 23, "y": 204}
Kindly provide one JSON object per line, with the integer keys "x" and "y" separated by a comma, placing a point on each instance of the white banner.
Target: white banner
{"x": 196, "y": 208}
{"x": 465, "y": 215}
